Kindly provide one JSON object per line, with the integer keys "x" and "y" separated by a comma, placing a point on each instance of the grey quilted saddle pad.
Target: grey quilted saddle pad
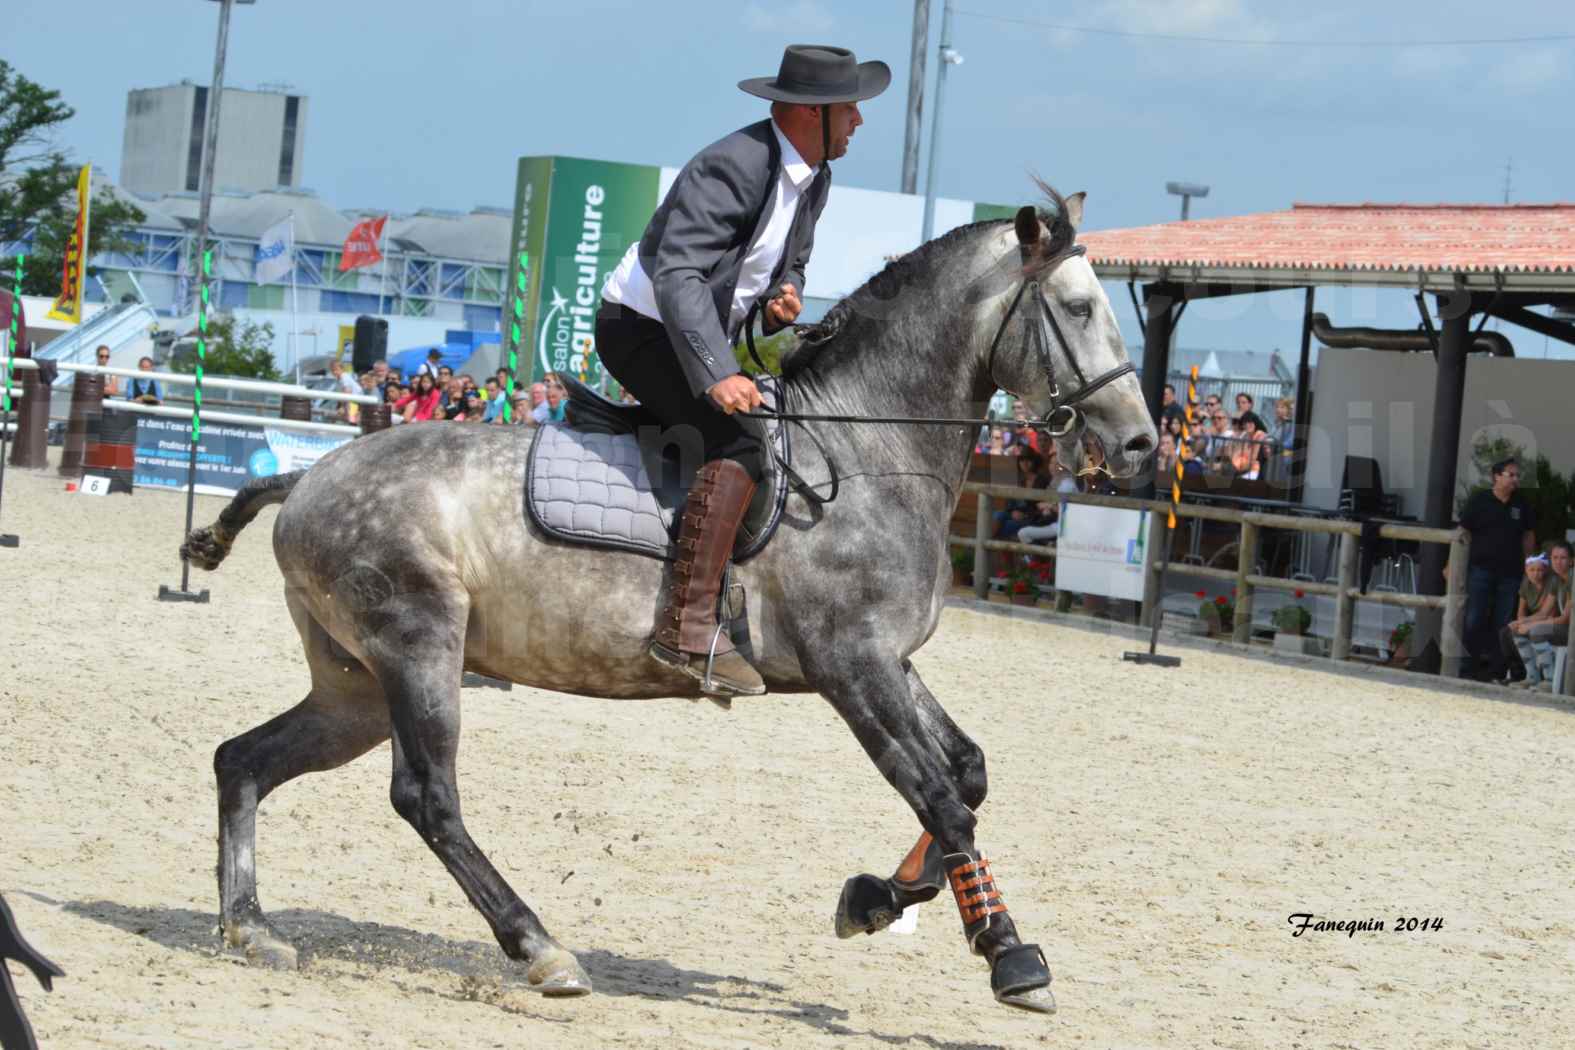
{"x": 596, "y": 489}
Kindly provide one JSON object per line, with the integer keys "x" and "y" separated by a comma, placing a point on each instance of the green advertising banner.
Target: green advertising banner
{"x": 575, "y": 219}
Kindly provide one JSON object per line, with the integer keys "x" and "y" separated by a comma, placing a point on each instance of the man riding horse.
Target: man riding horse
{"x": 735, "y": 231}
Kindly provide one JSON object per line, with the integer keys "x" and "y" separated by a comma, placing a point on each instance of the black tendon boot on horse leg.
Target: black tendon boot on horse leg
{"x": 688, "y": 635}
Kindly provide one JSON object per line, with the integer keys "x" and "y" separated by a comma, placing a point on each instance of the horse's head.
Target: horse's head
{"x": 1057, "y": 346}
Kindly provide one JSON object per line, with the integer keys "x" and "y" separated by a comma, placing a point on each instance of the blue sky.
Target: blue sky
{"x": 422, "y": 104}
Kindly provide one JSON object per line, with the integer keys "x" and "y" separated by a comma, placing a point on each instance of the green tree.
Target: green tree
{"x": 244, "y": 350}
{"x": 1550, "y": 494}
{"x": 38, "y": 185}
{"x": 770, "y": 348}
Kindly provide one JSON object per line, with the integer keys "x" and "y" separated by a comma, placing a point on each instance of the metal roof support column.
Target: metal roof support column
{"x": 1160, "y": 300}
{"x": 1303, "y": 416}
{"x": 1449, "y": 391}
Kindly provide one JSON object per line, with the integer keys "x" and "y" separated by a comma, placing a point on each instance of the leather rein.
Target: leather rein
{"x": 1061, "y": 419}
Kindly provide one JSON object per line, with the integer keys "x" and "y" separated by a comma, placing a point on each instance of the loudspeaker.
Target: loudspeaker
{"x": 371, "y": 343}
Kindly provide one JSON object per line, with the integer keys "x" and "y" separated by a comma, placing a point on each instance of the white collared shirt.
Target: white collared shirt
{"x": 629, "y": 284}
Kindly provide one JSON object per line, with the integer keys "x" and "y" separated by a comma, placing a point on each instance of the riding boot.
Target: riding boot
{"x": 687, "y": 634}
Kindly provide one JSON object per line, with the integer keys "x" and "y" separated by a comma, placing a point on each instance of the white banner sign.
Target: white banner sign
{"x": 1099, "y": 550}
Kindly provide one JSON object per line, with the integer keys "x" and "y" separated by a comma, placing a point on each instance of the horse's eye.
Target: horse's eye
{"x": 1081, "y": 308}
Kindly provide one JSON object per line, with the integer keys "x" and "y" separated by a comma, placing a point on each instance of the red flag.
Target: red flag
{"x": 361, "y": 246}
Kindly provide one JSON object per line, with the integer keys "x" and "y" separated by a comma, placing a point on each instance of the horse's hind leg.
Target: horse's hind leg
{"x": 421, "y": 673}
{"x": 343, "y": 717}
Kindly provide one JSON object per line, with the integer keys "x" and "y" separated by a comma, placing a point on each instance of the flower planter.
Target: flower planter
{"x": 1300, "y": 644}
{"x": 1025, "y": 599}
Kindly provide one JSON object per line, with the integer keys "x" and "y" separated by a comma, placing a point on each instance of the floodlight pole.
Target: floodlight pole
{"x": 1186, "y": 191}
{"x": 915, "y": 121}
{"x": 948, "y": 57}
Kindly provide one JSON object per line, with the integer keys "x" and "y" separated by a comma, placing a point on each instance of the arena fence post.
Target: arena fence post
{"x": 375, "y": 417}
{"x": 1452, "y": 646}
{"x": 87, "y": 404}
{"x": 1345, "y": 601}
{"x": 10, "y": 348}
{"x": 1569, "y": 650}
{"x": 1246, "y": 558}
{"x": 31, "y": 449}
{"x": 981, "y": 557}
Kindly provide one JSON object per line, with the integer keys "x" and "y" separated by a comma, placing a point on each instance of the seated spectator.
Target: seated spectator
{"x": 112, "y": 384}
{"x": 1165, "y": 460}
{"x": 469, "y": 409}
{"x": 502, "y": 377}
{"x": 492, "y": 398}
{"x": 1536, "y": 603}
{"x": 1170, "y": 410}
{"x": 1246, "y": 452}
{"x": 422, "y": 403}
{"x": 551, "y": 410}
{"x": 1046, "y": 522}
{"x": 1243, "y": 404}
{"x": 344, "y": 383}
{"x": 1031, "y": 474}
{"x": 380, "y": 375}
{"x": 146, "y": 391}
{"x": 522, "y": 409}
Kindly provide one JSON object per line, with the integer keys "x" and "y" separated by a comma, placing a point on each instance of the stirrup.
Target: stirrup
{"x": 725, "y": 606}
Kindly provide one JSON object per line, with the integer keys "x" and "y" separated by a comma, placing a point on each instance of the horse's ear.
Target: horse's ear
{"x": 1028, "y": 228}
{"x": 1074, "y": 208}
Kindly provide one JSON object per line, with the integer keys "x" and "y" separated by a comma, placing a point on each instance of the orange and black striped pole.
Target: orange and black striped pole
{"x": 1183, "y": 453}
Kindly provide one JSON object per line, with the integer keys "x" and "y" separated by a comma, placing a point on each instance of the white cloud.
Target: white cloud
{"x": 797, "y": 19}
{"x": 1532, "y": 70}
{"x": 1175, "y": 16}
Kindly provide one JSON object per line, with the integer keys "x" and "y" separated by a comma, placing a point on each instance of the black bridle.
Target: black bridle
{"x": 1061, "y": 405}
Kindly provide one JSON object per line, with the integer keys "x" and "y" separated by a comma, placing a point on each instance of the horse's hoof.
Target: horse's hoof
{"x": 558, "y": 973}
{"x": 1021, "y": 978}
{"x": 260, "y": 946}
{"x": 1037, "y": 1000}
{"x": 867, "y": 905}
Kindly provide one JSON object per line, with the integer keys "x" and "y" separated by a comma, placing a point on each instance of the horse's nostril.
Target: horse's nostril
{"x": 1142, "y": 445}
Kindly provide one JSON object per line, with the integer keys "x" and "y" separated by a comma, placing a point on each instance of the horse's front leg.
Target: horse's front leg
{"x": 940, "y": 773}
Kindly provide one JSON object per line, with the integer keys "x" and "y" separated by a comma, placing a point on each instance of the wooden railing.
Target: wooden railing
{"x": 1345, "y": 591}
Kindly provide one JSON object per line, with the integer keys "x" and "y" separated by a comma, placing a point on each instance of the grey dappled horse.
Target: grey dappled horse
{"x": 408, "y": 558}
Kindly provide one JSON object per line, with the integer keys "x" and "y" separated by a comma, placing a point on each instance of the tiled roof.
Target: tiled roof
{"x": 1460, "y": 238}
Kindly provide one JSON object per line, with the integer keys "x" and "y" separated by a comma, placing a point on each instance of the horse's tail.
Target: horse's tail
{"x": 207, "y": 546}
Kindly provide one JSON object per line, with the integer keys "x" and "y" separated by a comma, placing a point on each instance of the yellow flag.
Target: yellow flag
{"x": 68, "y": 305}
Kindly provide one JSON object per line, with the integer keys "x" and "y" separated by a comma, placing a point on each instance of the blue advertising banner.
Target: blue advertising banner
{"x": 228, "y": 456}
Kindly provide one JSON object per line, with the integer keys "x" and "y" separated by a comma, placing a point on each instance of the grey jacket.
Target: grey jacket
{"x": 696, "y": 242}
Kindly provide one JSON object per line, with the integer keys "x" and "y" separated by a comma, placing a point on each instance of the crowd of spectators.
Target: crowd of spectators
{"x": 436, "y": 394}
{"x": 1234, "y": 442}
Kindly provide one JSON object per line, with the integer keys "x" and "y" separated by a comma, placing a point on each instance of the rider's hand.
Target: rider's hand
{"x": 736, "y": 393}
{"x": 783, "y": 308}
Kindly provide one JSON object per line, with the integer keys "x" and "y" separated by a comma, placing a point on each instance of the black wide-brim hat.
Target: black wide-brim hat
{"x": 818, "y": 74}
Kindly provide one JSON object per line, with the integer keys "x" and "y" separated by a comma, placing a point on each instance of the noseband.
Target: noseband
{"x": 1063, "y": 417}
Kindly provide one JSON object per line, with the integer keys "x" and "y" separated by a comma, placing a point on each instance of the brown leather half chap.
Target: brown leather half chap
{"x": 712, "y": 514}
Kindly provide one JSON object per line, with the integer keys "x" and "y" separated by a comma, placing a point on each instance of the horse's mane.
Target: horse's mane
{"x": 884, "y": 285}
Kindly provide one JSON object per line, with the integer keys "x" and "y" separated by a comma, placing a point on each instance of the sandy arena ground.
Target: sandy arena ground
{"x": 1153, "y": 830}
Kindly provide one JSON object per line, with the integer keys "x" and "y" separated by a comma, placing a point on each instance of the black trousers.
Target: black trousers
{"x": 637, "y": 352}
